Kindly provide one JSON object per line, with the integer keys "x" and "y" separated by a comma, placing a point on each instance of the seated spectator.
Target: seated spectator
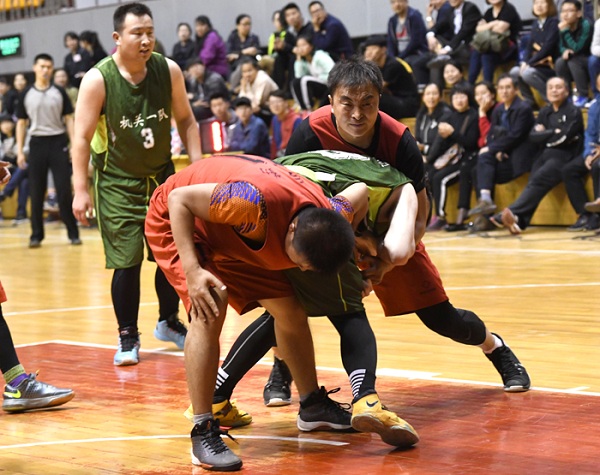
{"x": 540, "y": 53}
{"x": 558, "y": 130}
{"x": 256, "y": 85}
{"x": 11, "y": 98}
{"x": 453, "y": 75}
{"x": 508, "y": 154}
{"x": 19, "y": 176}
{"x": 574, "y": 46}
{"x": 437, "y": 11}
{"x": 500, "y": 22}
{"x": 311, "y": 70}
{"x": 594, "y": 59}
{"x": 576, "y": 171}
{"x": 485, "y": 98}
{"x": 210, "y": 47}
{"x": 406, "y": 38}
{"x": 183, "y": 50}
{"x": 220, "y": 106}
{"x": 90, "y": 42}
{"x": 200, "y": 85}
{"x": 456, "y": 142}
{"x": 451, "y": 38}
{"x": 400, "y": 97}
{"x": 61, "y": 79}
{"x": 429, "y": 116}
{"x": 78, "y": 61}
{"x": 250, "y": 135}
{"x": 279, "y": 49}
{"x": 329, "y": 33}
{"x": 241, "y": 42}
{"x": 4, "y": 88}
{"x": 284, "y": 122}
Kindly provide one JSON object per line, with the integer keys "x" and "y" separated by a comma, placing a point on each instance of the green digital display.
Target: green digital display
{"x": 11, "y": 46}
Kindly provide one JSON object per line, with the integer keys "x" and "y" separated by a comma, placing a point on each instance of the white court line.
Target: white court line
{"x": 174, "y": 436}
{"x": 388, "y": 372}
{"x": 496, "y": 251}
{"x": 473, "y": 287}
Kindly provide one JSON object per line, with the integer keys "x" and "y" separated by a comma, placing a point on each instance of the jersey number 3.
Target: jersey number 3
{"x": 148, "y": 137}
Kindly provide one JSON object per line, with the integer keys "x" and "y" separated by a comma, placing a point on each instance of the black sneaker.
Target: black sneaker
{"x": 580, "y": 224}
{"x": 33, "y": 394}
{"x": 209, "y": 451}
{"x": 319, "y": 412}
{"x": 277, "y": 390}
{"x": 593, "y": 223}
{"x": 514, "y": 375}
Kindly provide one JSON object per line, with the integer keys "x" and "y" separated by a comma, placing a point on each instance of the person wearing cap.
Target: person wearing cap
{"x": 400, "y": 97}
{"x": 250, "y": 135}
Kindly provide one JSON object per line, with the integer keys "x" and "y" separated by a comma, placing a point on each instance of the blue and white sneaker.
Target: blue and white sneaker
{"x": 129, "y": 348}
{"x": 171, "y": 329}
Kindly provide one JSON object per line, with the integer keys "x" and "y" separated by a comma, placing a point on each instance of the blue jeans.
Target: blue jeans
{"x": 594, "y": 70}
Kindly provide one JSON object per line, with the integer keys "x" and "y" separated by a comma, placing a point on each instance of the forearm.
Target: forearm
{"x": 188, "y": 131}
{"x": 80, "y": 155}
{"x": 399, "y": 242}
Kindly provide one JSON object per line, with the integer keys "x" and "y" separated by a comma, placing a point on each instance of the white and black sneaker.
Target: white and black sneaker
{"x": 514, "y": 375}
{"x": 319, "y": 412}
{"x": 277, "y": 391}
{"x": 209, "y": 451}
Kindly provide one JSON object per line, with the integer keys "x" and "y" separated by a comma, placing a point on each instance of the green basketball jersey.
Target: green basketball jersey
{"x": 133, "y": 135}
{"x": 335, "y": 171}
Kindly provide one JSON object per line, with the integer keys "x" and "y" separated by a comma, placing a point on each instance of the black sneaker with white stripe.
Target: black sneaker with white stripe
{"x": 514, "y": 375}
{"x": 277, "y": 391}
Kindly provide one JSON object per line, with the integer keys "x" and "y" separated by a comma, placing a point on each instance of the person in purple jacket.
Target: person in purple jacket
{"x": 210, "y": 47}
{"x": 406, "y": 38}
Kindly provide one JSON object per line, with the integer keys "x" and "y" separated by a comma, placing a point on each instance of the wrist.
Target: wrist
{"x": 429, "y": 19}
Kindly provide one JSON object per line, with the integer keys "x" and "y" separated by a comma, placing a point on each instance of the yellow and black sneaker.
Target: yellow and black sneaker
{"x": 226, "y": 413}
{"x": 368, "y": 415}
{"x": 33, "y": 394}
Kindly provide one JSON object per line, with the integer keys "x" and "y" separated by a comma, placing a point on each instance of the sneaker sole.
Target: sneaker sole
{"x": 160, "y": 337}
{"x": 516, "y": 389}
{"x": 277, "y": 402}
{"x": 232, "y": 467}
{"x": 398, "y": 436}
{"x": 126, "y": 362}
{"x": 16, "y": 405}
{"x": 321, "y": 426}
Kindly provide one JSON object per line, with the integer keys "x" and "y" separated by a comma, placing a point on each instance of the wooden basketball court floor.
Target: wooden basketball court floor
{"x": 540, "y": 292}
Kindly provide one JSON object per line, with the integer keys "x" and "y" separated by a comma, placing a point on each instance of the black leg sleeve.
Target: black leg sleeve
{"x": 168, "y": 300}
{"x": 462, "y": 326}
{"x": 247, "y": 350}
{"x": 125, "y": 292}
{"x": 359, "y": 351}
{"x": 8, "y": 355}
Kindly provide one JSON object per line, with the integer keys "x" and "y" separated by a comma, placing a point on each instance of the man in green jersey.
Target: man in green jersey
{"x": 123, "y": 118}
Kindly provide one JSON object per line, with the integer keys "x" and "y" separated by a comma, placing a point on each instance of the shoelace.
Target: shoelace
{"x": 213, "y": 441}
{"x": 510, "y": 368}
{"x": 334, "y": 405}
{"x": 128, "y": 341}
{"x": 177, "y": 325}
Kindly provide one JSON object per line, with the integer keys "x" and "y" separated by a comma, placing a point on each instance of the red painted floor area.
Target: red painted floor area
{"x": 464, "y": 429}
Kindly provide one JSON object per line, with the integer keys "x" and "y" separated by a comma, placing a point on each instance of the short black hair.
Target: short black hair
{"x": 135, "y": 8}
{"x": 278, "y": 93}
{"x": 242, "y": 102}
{"x": 577, "y": 4}
{"x": 324, "y": 238}
{"x": 290, "y": 6}
{"x": 508, "y": 76}
{"x": 489, "y": 86}
{"x": 354, "y": 72}
{"x": 204, "y": 20}
{"x": 43, "y": 57}
{"x": 240, "y": 17}
{"x": 70, "y": 34}
{"x": 219, "y": 95}
{"x": 193, "y": 61}
{"x": 246, "y": 59}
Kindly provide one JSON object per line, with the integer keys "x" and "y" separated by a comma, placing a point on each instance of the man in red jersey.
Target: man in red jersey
{"x": 223, "y": 230}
